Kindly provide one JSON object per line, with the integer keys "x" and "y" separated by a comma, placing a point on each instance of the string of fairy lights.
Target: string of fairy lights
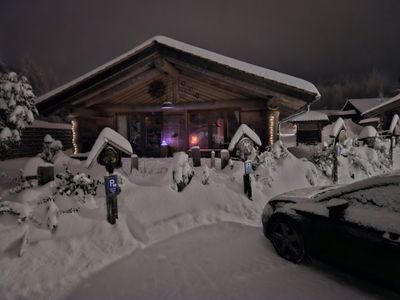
{"x": 271, "y": 128}
{"x": 74, "y": 128}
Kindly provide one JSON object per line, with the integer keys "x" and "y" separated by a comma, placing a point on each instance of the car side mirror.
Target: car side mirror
{"x": 337, "y": 207}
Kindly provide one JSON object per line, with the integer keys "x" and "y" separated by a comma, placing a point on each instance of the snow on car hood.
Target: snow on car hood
{"x": 304, "y": 194}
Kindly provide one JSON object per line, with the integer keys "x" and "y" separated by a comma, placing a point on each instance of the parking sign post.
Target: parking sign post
{"x": 112, "y": 191}
{"x": 248, "y": 169}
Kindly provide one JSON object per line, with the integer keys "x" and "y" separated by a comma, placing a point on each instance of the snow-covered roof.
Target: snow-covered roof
{"x": 218, "y": 58}
{"x": 367, "y": 132}
{"x": 309, "y": 116}
{"x": 382, "y": 104}
{"x": 108, "y": 136}
{"x": 337, "y": 127}
{"x": 364, "y": 104}
{"x": 369, "y": 120}
{"x": 243, "y": 130}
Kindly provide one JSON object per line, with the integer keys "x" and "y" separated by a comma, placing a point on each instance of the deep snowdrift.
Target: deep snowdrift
{"x": 150, "y": 210}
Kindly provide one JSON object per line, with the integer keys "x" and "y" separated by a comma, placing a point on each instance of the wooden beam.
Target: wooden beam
{"x": 229, "y": 82}
{"x": 110, "y": 82}
{"x": 257, "y": 104}
{"x": 130, "y": 84}
{"x": 166, "y": 67}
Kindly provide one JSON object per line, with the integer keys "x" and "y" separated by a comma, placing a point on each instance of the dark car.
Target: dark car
{"x": 356, "y": 226}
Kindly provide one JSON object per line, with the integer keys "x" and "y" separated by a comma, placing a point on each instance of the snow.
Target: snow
{"x": 352, "y": 130}
{"x": 49, "y": 125}
{"x": 337, "y": 127}
{"x": 309, "y": 116}
{"x": 367, "y": 132}
{"x": 394, "y": 123}
{"x": 242, "y": 131}
{"x": 108, "y": 136}
{"x": 369, "y": 120}
{"x": 230, "y": 62}
{"x": 364, "y": 105}
{"x": 220, "y": 261}
{"x": 151, "y": 214}
{"x": 5, "y": 134}
{"x": 382, "y": 104}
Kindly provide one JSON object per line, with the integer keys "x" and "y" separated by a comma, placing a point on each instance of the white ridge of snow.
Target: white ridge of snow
{"x": 311, "y": 115}
{"x": 395, "y": 121}
{"x": 367, "y": 132}
{"x": 108, "y": 136}
{"x": 337, "y": 127}
{"x": 268, "y": 74}
{"x": 243, "y": 130}
{"x": 49, "y": 125}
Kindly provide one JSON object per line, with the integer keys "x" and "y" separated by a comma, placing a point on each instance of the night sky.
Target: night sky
{"x": 312, "y": 39}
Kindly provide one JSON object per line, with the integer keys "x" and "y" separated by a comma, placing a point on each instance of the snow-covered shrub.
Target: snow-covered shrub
{"x": 50, "y": 148}
{"x": 17, "y": 109}
{"x": 279, "y": 151}
{"x": 80, "y": 186}
{"x": 182, "y": 172}
{"x": 205, "y": 178}
{"x": 324, "y": 159}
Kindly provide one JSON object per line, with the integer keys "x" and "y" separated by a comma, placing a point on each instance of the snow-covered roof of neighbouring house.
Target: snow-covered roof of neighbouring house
{"x": 369, "y": 120}
{"x": 364, "y": 104}
{"x": 268, "y": 74}
{"x": 111, "y": 137}
{"x": 243, "y": 130}
{"x": 309, "y": 116}
{"x": 367, "y": 132}
{"x": 382, "y": 104}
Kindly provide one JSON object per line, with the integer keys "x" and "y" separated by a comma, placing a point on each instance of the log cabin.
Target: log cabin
{"x": 166, "y": 93}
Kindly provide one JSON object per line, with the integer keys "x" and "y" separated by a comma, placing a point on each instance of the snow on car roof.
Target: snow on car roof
{"x": 224, "y": 60}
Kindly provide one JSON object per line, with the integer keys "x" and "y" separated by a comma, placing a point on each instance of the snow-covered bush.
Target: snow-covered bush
{"x": 182, "y": 172}
{"x": 323, "y": 160}
{"x": 17, "y": 109}
{"x": 50, "y": 148}
{"x": 80, "y": 186}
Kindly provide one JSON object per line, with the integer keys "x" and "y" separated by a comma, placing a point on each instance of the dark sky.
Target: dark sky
{"x": 312, "y": 39}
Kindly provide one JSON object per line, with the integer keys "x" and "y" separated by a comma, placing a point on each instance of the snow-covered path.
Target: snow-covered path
{"x": 221, "y": 261}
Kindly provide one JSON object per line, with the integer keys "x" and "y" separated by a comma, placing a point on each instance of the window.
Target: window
{"x": 198, "y": 129}
{"x": 122, "y": 125}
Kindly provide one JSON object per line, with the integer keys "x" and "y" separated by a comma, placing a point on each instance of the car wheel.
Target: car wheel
{"x": 287, "y": 240}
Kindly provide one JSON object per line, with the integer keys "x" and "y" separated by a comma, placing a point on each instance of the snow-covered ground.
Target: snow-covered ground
{"x": 220, "y": 261}
{"x": 151, "y": 213}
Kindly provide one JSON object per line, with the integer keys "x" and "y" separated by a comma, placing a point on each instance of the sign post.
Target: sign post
{"x": 112, "y": 191}
{"x": 248, "y": 169}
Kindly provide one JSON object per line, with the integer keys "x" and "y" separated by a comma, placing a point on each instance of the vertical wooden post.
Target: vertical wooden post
{"x": 196, "y": 156}
{"x": 213, "y": 159}
{"x": 134, "y": 162}
{"x": 224, "y": 158}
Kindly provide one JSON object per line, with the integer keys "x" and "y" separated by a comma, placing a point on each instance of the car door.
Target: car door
{"x": 370, "y": 229}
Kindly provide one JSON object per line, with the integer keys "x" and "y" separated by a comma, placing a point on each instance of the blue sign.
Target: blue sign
{"x": 248, "y": 167}
{"x": 111, "y": 183}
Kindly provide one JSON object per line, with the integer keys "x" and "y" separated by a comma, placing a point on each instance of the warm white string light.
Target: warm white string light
{"x": 74, "y": 128}
{"x": 271, "y": 128}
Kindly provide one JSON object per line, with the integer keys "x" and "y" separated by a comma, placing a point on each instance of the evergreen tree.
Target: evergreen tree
{"x": 17, "y": 109}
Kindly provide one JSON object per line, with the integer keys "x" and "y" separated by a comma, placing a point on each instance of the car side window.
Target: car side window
{"x": 385, "y": 196}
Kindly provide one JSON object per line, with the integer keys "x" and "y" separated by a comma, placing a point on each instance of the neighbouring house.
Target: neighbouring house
{"x": 308, "y": 126}
{"x": 355, "y": 109}
{"x": 165, "y": 92}
{"x": 383, "y": 112}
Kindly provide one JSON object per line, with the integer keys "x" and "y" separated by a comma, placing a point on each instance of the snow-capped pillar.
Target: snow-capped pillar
{"x": 272, "y": 126}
